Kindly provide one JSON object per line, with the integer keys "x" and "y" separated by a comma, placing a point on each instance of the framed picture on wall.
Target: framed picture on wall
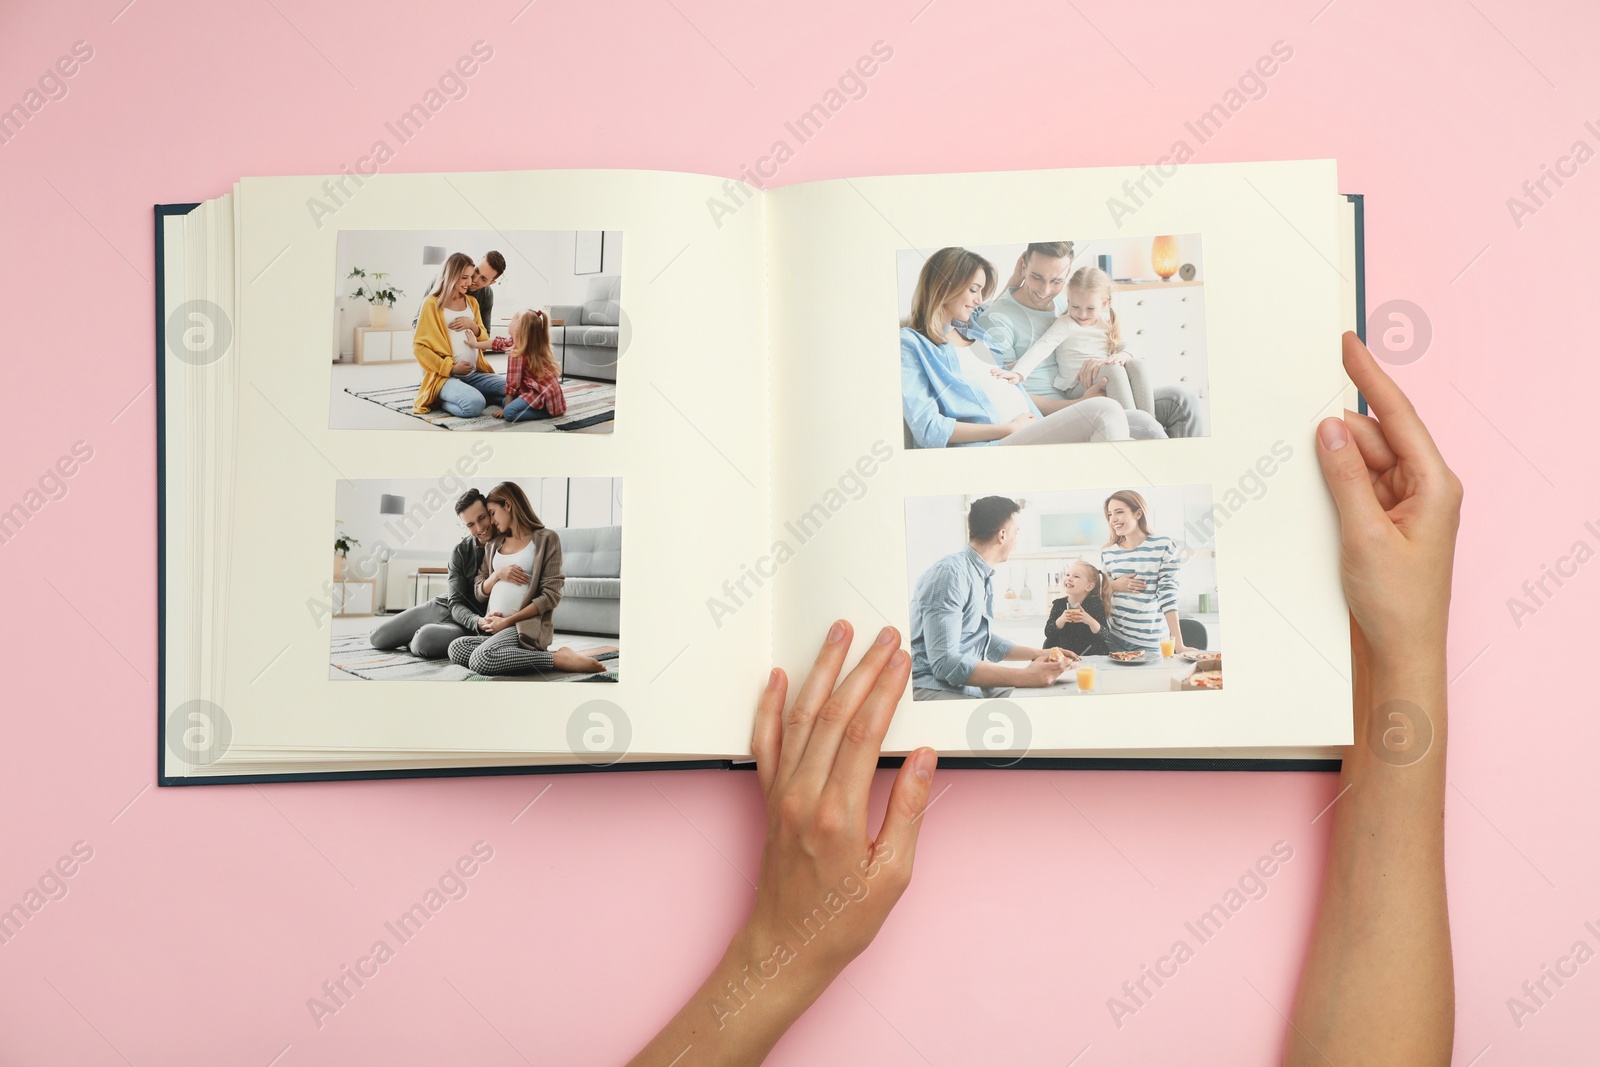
{"x": 589, "y": 252}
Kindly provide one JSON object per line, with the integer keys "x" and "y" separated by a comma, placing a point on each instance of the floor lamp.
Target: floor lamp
{"x": 388, "y": 504}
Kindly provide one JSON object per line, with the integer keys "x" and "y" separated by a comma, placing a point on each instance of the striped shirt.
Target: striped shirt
{"x": 1139, "y": 618}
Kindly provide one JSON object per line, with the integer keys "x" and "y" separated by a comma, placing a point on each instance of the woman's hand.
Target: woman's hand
{"x": 462, "y": 367}
{"x": 463, "y": 323}
{"x": 1127, "y": 583}
{"x": 1006, "y": 375}
{"x": 1090, "y": 371}
{"x": 827, "y": 884}
{"x": 1018, "y": 423}
{"x": 494, "y": 622}
{"x": 1399, "y": 507}
{"x": 509, "y": 573}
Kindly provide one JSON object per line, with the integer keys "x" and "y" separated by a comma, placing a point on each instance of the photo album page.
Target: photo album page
{"x": 1058, "y": 431}
{"x": 434, "y": 431}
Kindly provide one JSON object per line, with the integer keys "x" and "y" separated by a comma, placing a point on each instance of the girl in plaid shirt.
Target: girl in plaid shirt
{"x": 533, "y": 380}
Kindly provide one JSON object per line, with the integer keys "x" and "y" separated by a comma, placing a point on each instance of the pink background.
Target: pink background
{"x": 207, "y": 917}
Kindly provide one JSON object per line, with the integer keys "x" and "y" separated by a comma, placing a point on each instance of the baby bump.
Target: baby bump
{"x": 506, "y": 598}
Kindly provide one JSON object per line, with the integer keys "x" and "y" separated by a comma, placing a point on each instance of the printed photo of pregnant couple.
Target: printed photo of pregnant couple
{"x": 1053, "y": 342}
{"x": 471, "y": 579}
{"x": 1066, "y": 592}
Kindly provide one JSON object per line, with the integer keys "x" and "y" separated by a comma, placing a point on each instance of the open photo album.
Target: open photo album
{"x": 606, "y": 445}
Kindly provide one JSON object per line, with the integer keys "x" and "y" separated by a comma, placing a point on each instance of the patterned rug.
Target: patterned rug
{"x": 355, "y": 656}
{"x": 588, "y": 404}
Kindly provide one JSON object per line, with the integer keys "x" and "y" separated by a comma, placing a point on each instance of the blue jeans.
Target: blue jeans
{"x": 519, "y": 410}
{"x": 467, "y": 396}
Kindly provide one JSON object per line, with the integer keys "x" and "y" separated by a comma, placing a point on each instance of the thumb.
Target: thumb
{"x": 1345, "y": 471}
{"x": 908, "y": 799}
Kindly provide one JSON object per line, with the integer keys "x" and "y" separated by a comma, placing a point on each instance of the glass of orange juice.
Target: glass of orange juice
{"x": 1086, "y": 679}
{"x": 1168, "y": 647}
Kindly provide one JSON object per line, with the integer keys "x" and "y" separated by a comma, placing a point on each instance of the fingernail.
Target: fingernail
{"x": 899, "y": 658}
{"x": 1333, "y": 435}
{"x": 836, "y": 634}
{"x": 772, "y": 678}
{"x": 926, "y": 759}
{"x": 886, "y": 635}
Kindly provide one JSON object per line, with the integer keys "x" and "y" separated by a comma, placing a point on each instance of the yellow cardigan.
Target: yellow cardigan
{"x": 432, "y": 348}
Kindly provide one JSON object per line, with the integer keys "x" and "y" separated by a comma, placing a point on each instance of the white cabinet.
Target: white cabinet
{"x": 1165, "y": 324}
{"x": 384, "y": 344}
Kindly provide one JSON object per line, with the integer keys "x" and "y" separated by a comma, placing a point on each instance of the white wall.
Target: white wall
{"x": 431, "y": 526}
{"x": 539, "y": 270}
{"x": 1130, "y": 258}
{"x": 937, "y": 526}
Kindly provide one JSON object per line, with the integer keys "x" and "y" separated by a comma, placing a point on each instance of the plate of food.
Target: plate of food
{"x": 1195, "y": 655}
{"x": 1128, "y": 658}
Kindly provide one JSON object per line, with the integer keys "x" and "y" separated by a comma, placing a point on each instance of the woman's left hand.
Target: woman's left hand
{"x": 495, "y": 622}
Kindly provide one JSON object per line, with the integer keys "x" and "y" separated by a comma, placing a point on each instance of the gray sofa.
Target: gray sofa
{"x": 593, "y": 330}
{"x": 591, "y": 602}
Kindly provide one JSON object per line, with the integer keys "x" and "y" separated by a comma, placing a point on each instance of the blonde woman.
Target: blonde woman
{"x": 952, "y": 389}
{"x": 450, "y": 341}
{"x": 521, "y": 581}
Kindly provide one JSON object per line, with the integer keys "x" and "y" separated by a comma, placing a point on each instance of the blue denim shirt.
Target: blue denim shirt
{"x": 950, "y": 624}
{"x": 933, "y": 394}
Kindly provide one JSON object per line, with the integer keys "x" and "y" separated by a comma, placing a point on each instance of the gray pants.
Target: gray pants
{"x": 1175, "y": 409}
{"x": 426, "y": 629}
{"x": 503, "y": 653}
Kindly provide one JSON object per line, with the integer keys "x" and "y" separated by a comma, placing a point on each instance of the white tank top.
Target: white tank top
{"x": 458, "y": 338}
{"x": 505, "y": 597}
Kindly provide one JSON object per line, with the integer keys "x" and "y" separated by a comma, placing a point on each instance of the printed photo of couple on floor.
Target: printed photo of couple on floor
{"x": 1104, "y": 591}
{"x": 477, "y": 330}
{"x": 442, "y": 580}
{"x": 1053, "y": 342}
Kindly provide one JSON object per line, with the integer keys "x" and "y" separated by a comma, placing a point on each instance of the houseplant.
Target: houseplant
{"x": 342, "y": 544}
{"x": 376, "y": 293}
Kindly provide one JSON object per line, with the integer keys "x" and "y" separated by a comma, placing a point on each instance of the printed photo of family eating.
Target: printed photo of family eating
{"x": 477, "y": 330}
{"x": 1067, "y": 592}
{"x": 1053, "y": 342}
{"x": 444, "y": 580}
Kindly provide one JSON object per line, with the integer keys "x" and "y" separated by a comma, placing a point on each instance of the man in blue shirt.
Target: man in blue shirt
{"x": 954, "y": 650}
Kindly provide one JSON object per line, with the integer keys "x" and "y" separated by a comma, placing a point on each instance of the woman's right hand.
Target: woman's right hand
{"x": 1399, "y": 507}
{"x": 1018, "y": 423}
{"x": 1127, "y": 583}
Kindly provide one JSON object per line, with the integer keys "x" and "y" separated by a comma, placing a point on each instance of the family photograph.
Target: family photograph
{"x": 1053, "y": 342}
{"x": 477, "y": 331}
{"x": 1062, "y": 592}
{"x": 517, "y": 579}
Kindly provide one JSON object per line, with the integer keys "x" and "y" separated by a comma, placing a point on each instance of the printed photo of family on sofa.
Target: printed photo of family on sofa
{"x": 520, "y": 579}
{"x": 1104, "y": 591}
{"x": 1053, "y": 342}
{"x": 477, "y": 331}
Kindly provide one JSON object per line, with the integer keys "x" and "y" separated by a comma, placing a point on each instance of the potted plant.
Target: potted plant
{"x": 342, "y": 544}
{"x": 377, "y": 293}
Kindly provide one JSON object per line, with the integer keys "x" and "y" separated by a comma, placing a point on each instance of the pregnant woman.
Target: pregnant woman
{"x": 1143, "y": 572}
{"x": 952, "y": 391}
{"x": 450, "y": 341}
{"x": 521, "y": 579}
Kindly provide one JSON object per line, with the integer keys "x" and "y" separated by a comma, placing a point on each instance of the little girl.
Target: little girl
{"x": 1086, "y": 342}
{"x": 1077, "y": 620}
{"x": 533, "y": 379}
